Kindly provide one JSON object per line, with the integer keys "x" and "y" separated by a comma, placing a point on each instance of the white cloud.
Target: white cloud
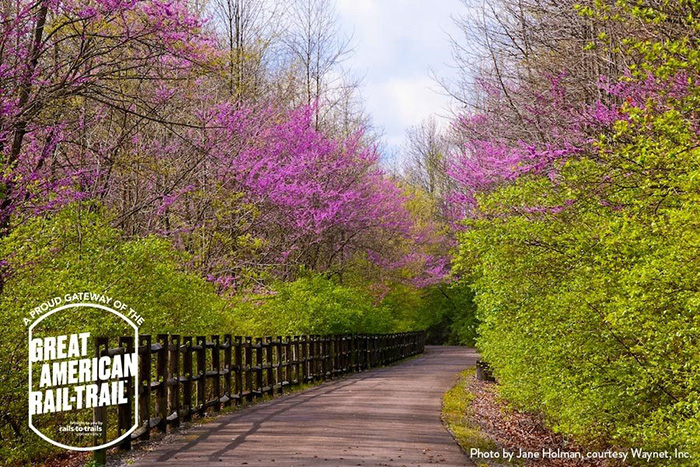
{"x": 398, "y": 43}
{"x": 412, "y": 97}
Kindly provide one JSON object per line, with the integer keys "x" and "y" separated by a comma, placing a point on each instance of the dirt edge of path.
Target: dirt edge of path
{"x": 477, "y": 417}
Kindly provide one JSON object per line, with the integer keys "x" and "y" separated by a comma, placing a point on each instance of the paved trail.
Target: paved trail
{"x": 385, "y": 417}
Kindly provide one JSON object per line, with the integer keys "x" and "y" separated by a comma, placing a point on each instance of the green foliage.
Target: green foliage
{"x": 590, "y": 315}
{"x": 315, "y": 304}
{"x": 447, "y": 312}
{"x": 74, "y": 251}
{"x": 312, "y": 304}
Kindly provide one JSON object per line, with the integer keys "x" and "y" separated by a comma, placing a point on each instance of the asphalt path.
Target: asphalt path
{"x": 384, "y": 417}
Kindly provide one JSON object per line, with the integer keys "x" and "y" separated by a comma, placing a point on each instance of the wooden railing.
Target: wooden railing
{"x": 183, "y": 377}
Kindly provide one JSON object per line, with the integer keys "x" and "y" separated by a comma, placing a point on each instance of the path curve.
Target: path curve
{"x": 384, "y": 417}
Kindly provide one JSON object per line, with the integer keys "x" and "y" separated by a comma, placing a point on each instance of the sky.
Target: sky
{"x": 398, "y": 45}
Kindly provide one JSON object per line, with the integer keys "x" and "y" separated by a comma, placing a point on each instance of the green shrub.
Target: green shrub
{"x": 74, "y": 251}
{"x": 590, "y": 315}
{"x": 446, "y": 311}
{"x": 312, "y": 304}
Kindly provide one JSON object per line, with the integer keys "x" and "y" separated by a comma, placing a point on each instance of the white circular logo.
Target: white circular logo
{"x": 83, "y": 385}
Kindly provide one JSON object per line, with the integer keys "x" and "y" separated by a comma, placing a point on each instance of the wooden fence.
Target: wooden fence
{"x": 182, "y": 377}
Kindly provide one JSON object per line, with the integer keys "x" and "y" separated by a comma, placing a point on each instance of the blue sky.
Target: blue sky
{"x": 398, "y": 43}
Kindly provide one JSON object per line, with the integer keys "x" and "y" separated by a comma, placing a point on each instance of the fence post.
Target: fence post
{"x": 366, "y": 346}
{"x": 313, "y": 355}
{"x": 346, "y": 353}
{"x": 288, "y": 361}
{"x": 340, "y": 369}
{"x": 351, "y": 353}
{"x": 145, "y": 384}
{"x": 238, "y": 368}
{"x": 377, "y": 351}
{"x": 360, "y": 343}
{"x": 124, "y": 410}
{"x": 322, "y": 348}
{"x": 325, "y": 355}
{"x": 315, "y": 352}
{"x": 383, "y": 360}
{"x": 320, "y": 360}
{"x": 341, "y": 356}
{"x": 355, "y": 353}
{"x": 100, "y": 413}
{"x": 188, "y": 375}
{"x": 216, "y": 371}
{"x": 279, "y": 379}
{"x": 249, "y": 368}
{"x": 162, "y": 377}
{"x": 304, "y": 373}
{"x": 297, "y": 361}
{"x": 335, "y": 343}
{"x": 173, "y": 383}
{"x": 269, "y": 361}
{"x": 370, "y": 351}
{"x": 228, "y": 351}
{"x": 259, "y": 366}
{"x": 201, "y": 349}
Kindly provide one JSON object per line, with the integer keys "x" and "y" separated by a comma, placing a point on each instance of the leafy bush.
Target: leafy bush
{"x": 583, "y": 251}
{"x": 74, "y": 251}
{"x": 312, "y": 304}
{"x": 447, "y": 312}
{"x": 589, "y": 305}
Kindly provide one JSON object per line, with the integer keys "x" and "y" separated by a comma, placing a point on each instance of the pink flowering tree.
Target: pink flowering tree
{"x": 64, "y": 65}
{"x": 276, "y": 194}
{"x": 122, "y": 101}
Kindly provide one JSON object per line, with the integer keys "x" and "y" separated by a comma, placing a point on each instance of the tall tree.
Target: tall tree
{"x": 315, "y": 41}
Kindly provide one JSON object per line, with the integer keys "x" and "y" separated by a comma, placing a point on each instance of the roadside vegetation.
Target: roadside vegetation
{"x": 569, "y": 176}
{"x": 572, "y": 182}
{"x": 458, "y": 416}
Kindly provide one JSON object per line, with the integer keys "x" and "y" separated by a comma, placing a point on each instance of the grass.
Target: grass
{"x": 457, "y": 416}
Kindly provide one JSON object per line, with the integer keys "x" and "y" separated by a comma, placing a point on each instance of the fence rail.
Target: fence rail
{"x": 182, "y": 377}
